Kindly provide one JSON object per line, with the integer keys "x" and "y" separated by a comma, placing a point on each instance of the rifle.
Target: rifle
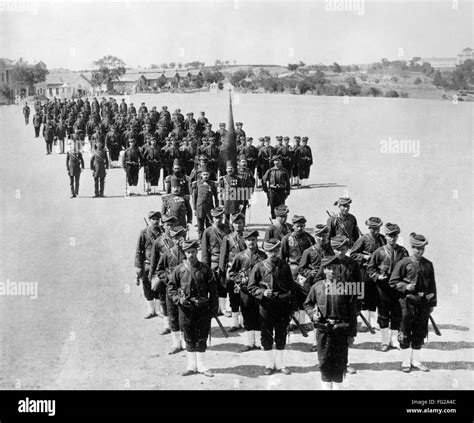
{"x": 435, "y": 326}
{"x": 371, "y": 329}
{"x": 303, "y": 331}
{"x": 146, "y": 222}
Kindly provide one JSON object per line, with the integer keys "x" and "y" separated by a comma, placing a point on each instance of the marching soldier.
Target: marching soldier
{"x": 61, "y": 134}
{"x": 168, "y": 261}
{"x": 276, "y": 183}
{"x": 26, "y": 113}
{"x": 113, "y": 143}
{"x": 143, "y": 253}
{"x": 414, "y": 279}
{"x": 180, "y": 176}
{"x": 202, "y": 122}
{"x": 177, "y": 204}
{"x": 221, "y": 133}
{"x": 232, "y": 244}
{"x": 131, "y": 163}
{"x": 204, "y": 199}
{"x": 187, "y": 156}
{"x": 196, "y": 172}
{"x": 379, "y": 270}
{"x": 335, "y": 319}
{"x": 344, "y": 223}
{"x": 49, "y": 133}
{"x": 239, "y": 132}
{"x": 280, "y": 228}
{"x": 193, "y": 288}
{"x": 361, "y": 252}
{"x": 99, "y": 164}
{"x": 305, "y": 160}
{"x": 152, "y": 158}
{"x": 272, "y": 285}
{"x": 230, "y": 191}
{"x": 286, "y": 154}
{"x": 264, "y": 158}
{"x": 190, "y": 121}
{"x": 160, "y": 246}
{"x": 296, "y": 161}
{"x": 211, "y": 242}
{"x": 74, "y": 163}
{"x": 310, "y": 263}
{"x": 239, "y": 273}
{"x": 37, "y": 121}
{"x": 293, "y": 246}
{"x": 248, "y": 183}
{"x": 251, "y": 154}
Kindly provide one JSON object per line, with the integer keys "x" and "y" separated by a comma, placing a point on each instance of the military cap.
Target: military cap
{"x": 203, "y": 113}
{"x": 238, "y": 123}
{"x": 154, "y": 215}
{"x": 143, "y": 103}
{"x": 176, "y": 162}
{"x": 204, "y": 169}
{"x": 191, "y": 114}
{"x": 342, "y": 201}
{"x": 153, "y": 108}
{"x": 327, "y": 261}
{"x": 203, "y": 157}
{"x": 276, "y": 157}
{"x": 250, "y": 234}
{"x": 320, "y": 229}
{"x": 339, "y": 241}
{"x": 261, "y": 139}
{"x": 217, "y": 211}
{"x": 282, "y": 210}
{"x": 267, "y": 138}
{"x": 178, "y": 110}
{"x": 242, "y": 157}
{"x": 168, "y": 219}
{"x": 192, "y": 243}
{"x": 305, "y": 139}
{"x": 271, "y": 244}
{"x": 249, "y": 139}
{"x": 297, "y": 137}
{"x": 188, "y": 114}
{"x": 286, "y": 138}
{"x": 165, "y": 107}
{"x": 229, "y": 163}
{"x": 238, "y": 216}
{"x": 209, "y": 124}
{"x": 279, "y": 137}
{"x": 417, "y": 240}
{"x": 131, "y": 104}
{"x": 221, "y": 124}
{"x": 374, "y": 222}
{"x": 131, "y": 139}
{"x": 392, "y": 229}
{"x": 174, "y": 181}
{"x": 177, "y": 231}
{"x": 298, "y": 219}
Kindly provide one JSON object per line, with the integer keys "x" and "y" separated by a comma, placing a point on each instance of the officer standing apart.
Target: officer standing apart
{"x": 204, "y": 199}
{"x": 74, "y": 163}
{"x": 272, "y": 285}
{"x": 276, "y": 183}
{"x": 178, "y": 205}
{"x": 99, "y": 164}
{"x": 193, "y": 288}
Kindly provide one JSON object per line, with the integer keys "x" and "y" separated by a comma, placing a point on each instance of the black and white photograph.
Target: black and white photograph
{"x": 236, "y": 195}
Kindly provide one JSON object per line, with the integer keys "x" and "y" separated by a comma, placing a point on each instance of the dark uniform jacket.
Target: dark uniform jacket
{"x": 293, "y": 246}
{"x": 161, "y": 245}
{"x": 366, "y": 244}
{"x": 194, "y": 282}
{"x": 230, "y": 192}
{"x": 211, "y": 241}
{"x": 204, "y": 197}
{"x": 131, "y": 157}
{"x": 383, "y": 261}
{"x": 145, "y": 243}
{"x": 169, "y": 260}
{"x": 421, "y": 272}
{"x": 278, "y": 231}
{"x": 344, "y": 226}
{"x": 311, "y": 259}
{"x": 99, "y": 162}
{"x": 277, "y": 179}
{"x": 183, "y": 183}
{"x": 178, "y": 206}
{"x": 74, "y": 163}
{"x": 232, "y": 244}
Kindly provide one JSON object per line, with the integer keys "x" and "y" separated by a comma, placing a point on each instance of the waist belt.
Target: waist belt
{"x": 330, "y": 327}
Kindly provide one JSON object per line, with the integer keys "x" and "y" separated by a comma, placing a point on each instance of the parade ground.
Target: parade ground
{"x": 80, "y": 324}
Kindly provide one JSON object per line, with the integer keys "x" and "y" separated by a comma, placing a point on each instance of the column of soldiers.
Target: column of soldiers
{"x": 296, "y": 274}
{"x": 154, "y": 140}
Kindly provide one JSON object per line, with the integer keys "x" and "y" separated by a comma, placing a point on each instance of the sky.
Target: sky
{"x": 72, "y": 34}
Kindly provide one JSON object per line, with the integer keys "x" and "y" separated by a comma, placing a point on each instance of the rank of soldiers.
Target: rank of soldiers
{"x": 329, "y": 278}
{"x": 155, "y": 141}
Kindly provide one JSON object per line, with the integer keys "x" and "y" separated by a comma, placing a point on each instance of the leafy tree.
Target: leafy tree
{"x": 172, "y": 65}
{"x": 238, "y": 76}
{"x": 23, "y": 74}
{"x": 418, "y": 80}
{"x": 164, "y": 65}
{"x": 374, "y": 92}
{"x": 111, "y": 68}
{"x": 292, "y": 67}
{"x": 392, "y": 93}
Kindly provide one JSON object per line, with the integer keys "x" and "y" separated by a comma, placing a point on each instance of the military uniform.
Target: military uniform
{"x": 61, "y": 135}
{"x": 248, "y": 186}
{"x": 131, "y": 163}
{"x": 305, "y": 160}
{"x": 275, "y": 311}
{"x": 177, "y": 205}
{"x": 113, "y": 143}
{"x": 264, "y": 158}
{"x": 413, "y": 278}
{"x": 230, "y": 193}
{"x": 152, "y": 159}
{"x": 183, "y": 181}
{"x": 49, "y": 133}
{"x": 335, "y": 317}
{"x": 276, "y": 183}
{"x": 192, "y": 287}
{"x": 346, "y": 226}
{"x": 74, "y": 163}
{"x": 239, "y": 273}
{"x": 204, "y": 199}
{"x": 26, "y": 114}
{"x": 99, "y": 164}
{"x": 37, "y": 121}
{"x": 310, "y": 262}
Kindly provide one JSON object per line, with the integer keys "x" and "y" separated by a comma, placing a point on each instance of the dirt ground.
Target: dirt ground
{"x": 85, "y": 330}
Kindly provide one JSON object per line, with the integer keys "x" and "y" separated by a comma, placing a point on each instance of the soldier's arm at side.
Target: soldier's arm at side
{"x": 224, "y": 253}
{"x": 310, "y": 306}
{"x": 304, "y": 265}
{"x": 173, "y": 285}
{"x": 355, "y": 230}
{"x": 254, "y": 280}
{"x": 81, "y": 160}
{"x": 205, "y": 257}
{"x": 154, "y": 259}
{"x": 189, "y": 211}
{"x": 397, "y": 278}
{"x": 235, "y": 268}
{"x": 140, "y": 251}
{"x": 373, "y": 265}
{"x": 67, "y": 162}
{"x": 357, "y": 251}
{"x": 213, "y": 295}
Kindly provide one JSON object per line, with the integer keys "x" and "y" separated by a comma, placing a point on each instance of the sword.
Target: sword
{"x": 435, "y": 326}
{"x": 224, "y": 331}
{"x": 371, "y": 329}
